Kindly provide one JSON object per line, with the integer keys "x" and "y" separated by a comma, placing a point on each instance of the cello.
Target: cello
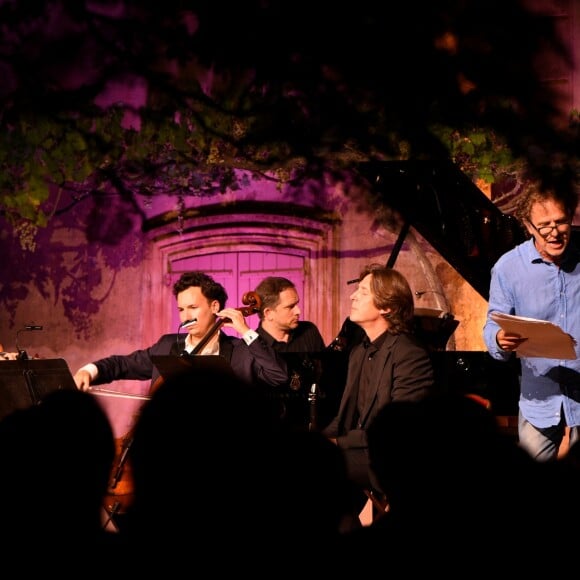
{"x": 119, "y": 494}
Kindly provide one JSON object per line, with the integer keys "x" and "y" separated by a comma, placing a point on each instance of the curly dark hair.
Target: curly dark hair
{"x": 211, "y": 289}
{"x": 533, "y": 193}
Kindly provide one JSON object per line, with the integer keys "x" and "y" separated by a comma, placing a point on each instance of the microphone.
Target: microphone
{"x": 187, "y": 323}
{"x": 22, "y": 354}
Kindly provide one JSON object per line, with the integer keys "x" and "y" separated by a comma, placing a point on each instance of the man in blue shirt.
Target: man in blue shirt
{"x": 540, "y": 278}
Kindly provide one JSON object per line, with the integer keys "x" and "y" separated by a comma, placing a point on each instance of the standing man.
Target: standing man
{"x": 281, "y": 328}
{"x": 201, "y": 302}
{"x": 540, "y": 278}
{"x": 388, "y": 365}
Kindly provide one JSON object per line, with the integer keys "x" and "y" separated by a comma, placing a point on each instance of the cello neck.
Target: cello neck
{"x": 208, "y": 335}
{"x": 253, "y": 303}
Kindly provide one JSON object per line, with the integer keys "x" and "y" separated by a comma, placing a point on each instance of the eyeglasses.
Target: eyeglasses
{"x": 546, "y": 231}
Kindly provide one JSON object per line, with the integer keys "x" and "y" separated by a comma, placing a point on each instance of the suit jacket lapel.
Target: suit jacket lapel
{"x": 380, "y": 360}
{"x": 349, "y": 400}
{"x": 226, "y": 347}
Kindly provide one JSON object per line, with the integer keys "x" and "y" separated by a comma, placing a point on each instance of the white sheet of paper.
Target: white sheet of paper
{"x": 545, "y": 339}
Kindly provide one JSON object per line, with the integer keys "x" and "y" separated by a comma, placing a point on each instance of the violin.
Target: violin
{"x": 120, "y": 489}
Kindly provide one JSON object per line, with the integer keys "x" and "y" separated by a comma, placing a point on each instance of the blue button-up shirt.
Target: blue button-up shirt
{"x": 524, "y": 284}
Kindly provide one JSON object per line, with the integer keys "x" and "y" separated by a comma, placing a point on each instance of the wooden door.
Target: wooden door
{"x": 240, "y": 272}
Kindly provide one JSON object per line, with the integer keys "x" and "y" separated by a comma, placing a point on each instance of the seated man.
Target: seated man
{"x": 390, "y": 364}
{"x": 281, "y": 328}
{"x": 201, "y": 302}
{"x": 280, "y": 325}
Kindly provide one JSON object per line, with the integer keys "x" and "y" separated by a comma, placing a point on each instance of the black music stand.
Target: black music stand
{"x": 26, "y": 382}
{"x": 316, "y": 380}
{"x": 170, "y": 366}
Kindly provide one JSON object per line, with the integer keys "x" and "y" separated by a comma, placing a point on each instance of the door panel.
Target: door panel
{"x": 240, "y": 272}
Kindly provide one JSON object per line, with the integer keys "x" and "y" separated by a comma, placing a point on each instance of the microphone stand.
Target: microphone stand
{"x": 22, "y": 354}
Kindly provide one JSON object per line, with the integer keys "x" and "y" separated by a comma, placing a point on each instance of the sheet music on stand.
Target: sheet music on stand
{"x": 544, "y": 339}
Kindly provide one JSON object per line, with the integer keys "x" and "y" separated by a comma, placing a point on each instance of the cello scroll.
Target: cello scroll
{"x": 253, "y": 302}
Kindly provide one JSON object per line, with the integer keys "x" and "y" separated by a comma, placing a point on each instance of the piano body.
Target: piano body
{"x": 470, "y": 231}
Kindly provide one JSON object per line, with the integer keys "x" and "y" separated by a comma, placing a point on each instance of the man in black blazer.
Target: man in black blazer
{"x": 201, "y": 303}
{"x": 388, "y": 365}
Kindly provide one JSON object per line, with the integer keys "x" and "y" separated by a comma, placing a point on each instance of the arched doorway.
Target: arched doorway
{"x": 240, "y": 248}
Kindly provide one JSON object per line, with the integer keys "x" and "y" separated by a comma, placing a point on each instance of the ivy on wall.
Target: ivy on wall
{"x": 273, "y": 88}
{"x": 106, "y": 104}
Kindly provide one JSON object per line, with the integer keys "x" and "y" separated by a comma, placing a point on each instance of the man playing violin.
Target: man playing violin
{"x": 280, "y": 323}
{"x": 281, "y": 328}
{"x": 202, "y": 311}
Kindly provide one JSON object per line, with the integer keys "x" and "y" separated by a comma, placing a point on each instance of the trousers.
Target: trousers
{"x": 544, "y": 444}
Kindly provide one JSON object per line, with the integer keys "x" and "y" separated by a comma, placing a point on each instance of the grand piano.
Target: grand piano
{"x": 470, "y": 231}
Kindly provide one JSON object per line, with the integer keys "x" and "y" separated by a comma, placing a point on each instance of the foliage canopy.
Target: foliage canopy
{"x": 120, "y": 97}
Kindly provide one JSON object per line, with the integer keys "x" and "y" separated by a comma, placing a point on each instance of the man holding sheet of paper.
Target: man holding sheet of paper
{"x": 537, "y": 285}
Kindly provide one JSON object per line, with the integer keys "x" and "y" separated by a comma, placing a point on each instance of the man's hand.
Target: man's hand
{"x": 234, "y": 319}
{"x": 508, "y": 341}
{"x": 82, "y": 380}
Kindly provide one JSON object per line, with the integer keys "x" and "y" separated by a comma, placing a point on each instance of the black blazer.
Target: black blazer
{"x": 257, "y": 364}
{"x": 406, "y": 374}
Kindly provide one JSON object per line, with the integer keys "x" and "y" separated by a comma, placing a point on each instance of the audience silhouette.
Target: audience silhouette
{"x": 216, "y": 472}
{"x": 460, "y": 492}
{"x": 215, "y": 469}
{"x": 56, "y": 457}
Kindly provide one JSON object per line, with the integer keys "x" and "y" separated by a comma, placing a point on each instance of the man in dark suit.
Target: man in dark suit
{"x": 201, "y": 303}
{"x": 298, "y": 341}
{"x": 388, "y": 365}
{"x": 280, "y": 324}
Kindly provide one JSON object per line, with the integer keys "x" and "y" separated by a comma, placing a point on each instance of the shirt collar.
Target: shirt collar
{"x": 571, "y": 255}
{"x": 212, "y": 347}
{"x": 269, "y": 339}
{"x": 377, "y": 343}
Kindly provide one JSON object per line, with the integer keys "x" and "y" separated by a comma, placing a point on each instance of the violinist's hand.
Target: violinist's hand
{"x": 508, "y": 341}
{"x": 82, "y": 380}
{"x": 235, "y": 320}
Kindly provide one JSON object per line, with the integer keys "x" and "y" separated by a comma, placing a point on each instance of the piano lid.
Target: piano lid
{"x": 450, "y": 212}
